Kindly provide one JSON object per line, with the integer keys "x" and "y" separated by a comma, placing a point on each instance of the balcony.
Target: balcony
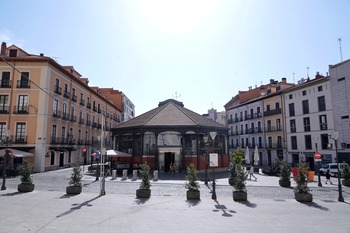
{"x": 82, "y": 102}
{"x": 94, "y": 125}
{"x": 273, "y": 129}
{"x": 56, "y": 114}
{"x": 74, "y": 98}
{"x": 65, "y": 116}
{"x": 4, "y": 109}
{"x": 22, "y": 139}
{"x": 58, "y": 90}
{"x": 23, "y": 83}
{"x": 94, "y": 109}
{"x": 274, "y": 146}
{"x": 272, "y": 112}
{"x": 22, "y": 109}
{"x": 5, "y": 83}
{"x": 73, "y": 118}
{"x": 81, "y": 121}
{"x": 88, "y": 105}
{"x": 66, "y": 94}
{"x": 88, "y": 123}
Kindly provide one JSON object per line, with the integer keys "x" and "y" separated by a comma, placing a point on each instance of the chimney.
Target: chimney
{"x": 272, "y": 81}
{"x": 317, "y": 76}
{"x": 284, "y": 80}
{"x": 41, "y": 54}
{"x": 3, "y": 48}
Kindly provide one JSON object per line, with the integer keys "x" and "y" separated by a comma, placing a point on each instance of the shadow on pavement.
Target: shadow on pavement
{"x": 78, "y": 207}
{"x": 224, "y": 210}
{"x": 315, "y": 205}
{"x": 141, "y": 201}
{"x": 11, "y": 194}
{"x": 247, "y": 203}
{"x": 193, "y": 202}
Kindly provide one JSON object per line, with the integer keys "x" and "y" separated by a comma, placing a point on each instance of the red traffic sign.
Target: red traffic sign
{"x": 317, "y": 155}
{"x": 83, "y": 150}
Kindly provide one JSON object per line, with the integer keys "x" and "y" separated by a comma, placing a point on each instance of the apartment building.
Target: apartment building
{"x": 309, "y": 120}
{"x": 255, "y": 119}
{"x": 340, "y": 90}
{"x": 50, "y": 111}
{"x": 121, "y": 101}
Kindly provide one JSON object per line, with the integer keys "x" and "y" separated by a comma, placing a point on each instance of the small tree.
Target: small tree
{"x": 25, "y": 171}
{"x": 240, "y": 178}
{"x": 285, "y": 170}
{"x": 191, "y": 177}
{"x": 301, "y": 179}
{"x": 75, "y": 179}
{"x": 346, "y": 171}
{"x": 145, "y": 172}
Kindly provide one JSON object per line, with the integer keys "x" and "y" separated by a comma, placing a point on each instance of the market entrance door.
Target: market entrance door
{"x": 169, "y": 157}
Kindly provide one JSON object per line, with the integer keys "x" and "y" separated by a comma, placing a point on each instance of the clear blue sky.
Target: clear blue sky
{"x": 206, "y": 51}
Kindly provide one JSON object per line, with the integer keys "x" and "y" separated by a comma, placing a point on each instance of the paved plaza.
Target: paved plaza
{"x": 269, "y": 208}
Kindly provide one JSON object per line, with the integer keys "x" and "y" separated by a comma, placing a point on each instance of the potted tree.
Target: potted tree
{"x": 240, "y": 176}
{"x": 192, "y": 184}
{"x": 25, "y": 171}
{"x": 75, "y": 181}
{"x": 285, "y": 174}
{"x": 346, "y": 175}
{"x": 144, "y": 191}
{"x": 302, "y": 191}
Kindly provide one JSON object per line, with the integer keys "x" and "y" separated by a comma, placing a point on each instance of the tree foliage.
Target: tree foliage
{"x": 301, "y": 179}
{"x": 145, "y": 173}
{"x": 75, "y": 179}
{"x": 191, "y": 177}
{"x": 25, "y": 171}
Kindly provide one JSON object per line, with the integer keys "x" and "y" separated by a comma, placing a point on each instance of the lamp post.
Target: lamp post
{"x": 6, "y": 155}
{"x": 318, "y": 163}
{"x": 206, "y": 138}
{"x": 334, "y": 136}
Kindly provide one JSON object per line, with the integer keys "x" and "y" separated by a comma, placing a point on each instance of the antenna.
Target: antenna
{"x": 307, "y": 71}
{"x": 293, "y": 77}
{"x": 341, "y": 53}
{"x": 176, "y": 95}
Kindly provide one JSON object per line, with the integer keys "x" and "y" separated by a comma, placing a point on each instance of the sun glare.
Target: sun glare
{"x": 177, "y": 16}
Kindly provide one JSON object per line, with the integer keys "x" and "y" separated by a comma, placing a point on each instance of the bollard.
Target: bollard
{"x": 155, "y": 175}
{"x": 134, "y": 175}
{"x": 114, "y": 174}
{"x": 125, "y": 174}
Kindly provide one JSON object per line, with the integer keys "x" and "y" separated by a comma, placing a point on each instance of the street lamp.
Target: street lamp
{"x": 334, "y": 136}
{"x": 6, "y": 155}
{"x": 206, "y": 138}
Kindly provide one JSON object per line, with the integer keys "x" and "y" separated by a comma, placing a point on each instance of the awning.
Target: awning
{"x": 116, "y": 153}
{"x": 16, "y": 153}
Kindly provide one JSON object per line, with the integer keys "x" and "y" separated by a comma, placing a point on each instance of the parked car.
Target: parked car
{"x": 332, "y": 169}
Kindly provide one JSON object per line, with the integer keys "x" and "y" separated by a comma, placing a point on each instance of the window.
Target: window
{"x": 251, "y": 113}
{"x": 54, "y": 131}
{"x": 341, "y": 79}
{"x": 293, "y": 128}
{"x": 245, "y": 114}
{"x": 278, "y": 124}
{"x": 291, "y": 109}
{"x": 20, "y": 136}
{"x": 22, "y": 103}
{"x": 308, "y": 143}
{"x": 259, "y": 126}
{"x": 304, "y": 92}
{"x": 258, "y": 110}
{"x": 247, "y": 141}
{"x": 13, "y": 53}
{"x": 290, "y": 96}
{"x": 294, "y": 142}
{"x": 3, "y": 130}
{"x": 269, "y": 140}
{"x": 55, "y": 107}
{"x": 268, "y": 107}
{"x": 242, "y": 142}
{"x": 5, "y": 80}
{"x": 324, "y": 141}
{"x": 72, "y": 112}
{"x": 277, "y": 105}
{"x": 345, "y": 117}
{"x": 65, "y": 88}
{"x": 63, "y": 133}
{"x": 323, "y": 122}
{"x": 260, "y": 142}
{"x": 24, "y": 79}
{"x": 320, "y": 88}
{"x": 321, "y": 103}
{"x": 279, "y": 142}
{"x": 4, "y": 103}
{"x": 268, "y": 125}
{"x": 307, "y": 124}
{"x": 305, "y": 104}
{"x": 64, "y": 110}
{"x": 253, "y": 142}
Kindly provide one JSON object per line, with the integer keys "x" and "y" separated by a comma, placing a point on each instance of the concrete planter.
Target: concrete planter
{"x": 303, "y": 197}
{"x": 346, "y": 183}
{"x": 73, "y": 190}
{"x": 193, "y": 194}
{"x": 25, "y": 188}
{"x": 284, "y": 183}
{"x": 143, "y": 193}
{"x": 239, "y": 196}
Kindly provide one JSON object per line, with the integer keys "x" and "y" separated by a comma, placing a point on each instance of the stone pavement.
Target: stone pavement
{"x": 54, "y": 211}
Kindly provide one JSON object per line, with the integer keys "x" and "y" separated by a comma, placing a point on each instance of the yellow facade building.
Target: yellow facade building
{"x": 50, "y": 111}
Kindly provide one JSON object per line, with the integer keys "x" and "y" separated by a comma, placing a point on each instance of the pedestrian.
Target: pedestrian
{"x": 251, "y": 173}
{"x": 328, "y": 177}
